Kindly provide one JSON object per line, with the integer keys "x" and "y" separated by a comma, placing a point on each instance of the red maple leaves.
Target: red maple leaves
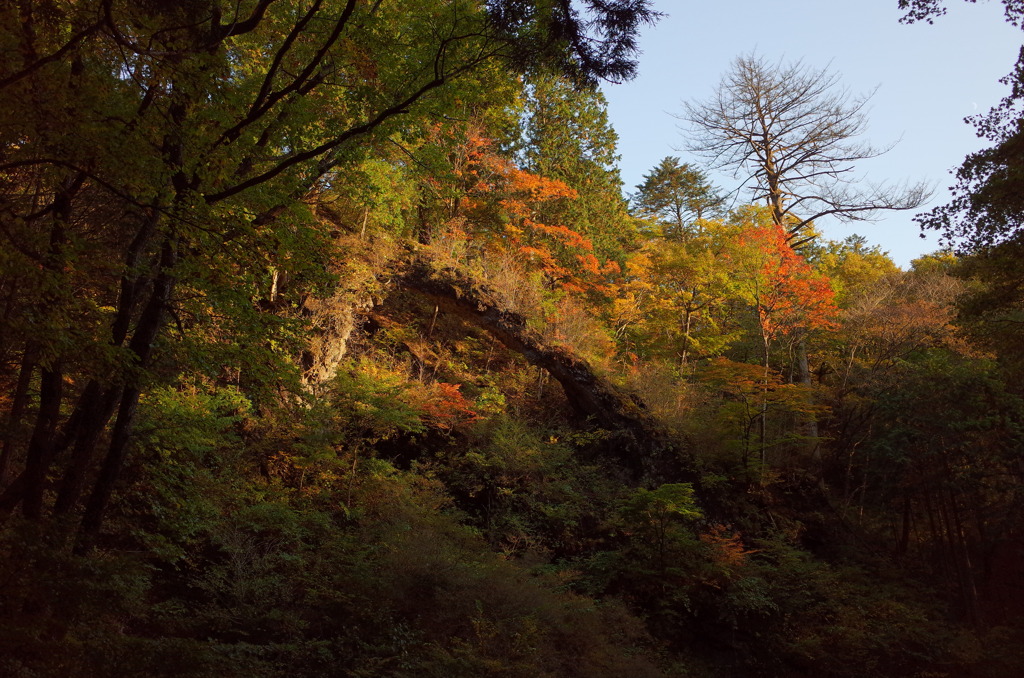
{"x": 790, "y": 297}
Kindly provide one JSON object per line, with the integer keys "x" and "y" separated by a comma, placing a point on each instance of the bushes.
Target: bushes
{"x": 212, "y": 568}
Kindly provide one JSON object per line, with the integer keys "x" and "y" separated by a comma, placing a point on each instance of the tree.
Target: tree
{"x": 791, "y": 133}
{"x": 597, "y": 43}
{"x": 945, "y": 450}
{"x": 676, "y": 195}
{"x": 852, "y": 265}
{"x": 566, "y": 136}
{"x": 157, "y": 161}
{"x": 929, "y": 10}
{"x": 985, "y": 218}
{"x": 987, "y": 208}
{"x": 677, "y": 299}
{"x": 788, "y": 297}
{"x": 500, "y": 206}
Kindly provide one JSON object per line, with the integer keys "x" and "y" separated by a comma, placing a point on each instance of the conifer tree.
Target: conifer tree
{"x": 567, "y": 136}
{"x": 676, "y": 195}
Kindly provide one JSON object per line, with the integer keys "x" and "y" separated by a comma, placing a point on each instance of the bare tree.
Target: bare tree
{"x": 790, "y": 132}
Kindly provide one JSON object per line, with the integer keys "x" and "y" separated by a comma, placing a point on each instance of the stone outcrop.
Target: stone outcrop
{"x": 635, "y": 437}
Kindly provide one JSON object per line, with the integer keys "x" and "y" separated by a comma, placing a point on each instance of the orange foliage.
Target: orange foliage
{"x": 443, "y": 406}
{"x": 503, "y": 204}
{"x": 726, "y": 552}
{"x": 790, "y": 296}
{"x": 744, "y": 382}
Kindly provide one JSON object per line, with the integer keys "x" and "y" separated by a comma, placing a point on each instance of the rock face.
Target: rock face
{"x": 334, "y": 317}
{"x": 333, "y": 320}
{"x": 636, "y": 439}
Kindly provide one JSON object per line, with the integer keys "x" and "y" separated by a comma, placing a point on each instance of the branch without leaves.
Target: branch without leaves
{"x": 791, "y": 131}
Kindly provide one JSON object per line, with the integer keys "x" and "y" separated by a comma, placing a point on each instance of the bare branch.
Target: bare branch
{"x": 792, "y": 131}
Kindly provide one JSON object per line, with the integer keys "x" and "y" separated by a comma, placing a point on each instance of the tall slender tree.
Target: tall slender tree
{"x": 567, "y": 136}
{"x": 791, "y": 133}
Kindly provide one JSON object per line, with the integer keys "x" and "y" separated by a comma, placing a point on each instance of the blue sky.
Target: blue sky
{"x": 929, "y": 78}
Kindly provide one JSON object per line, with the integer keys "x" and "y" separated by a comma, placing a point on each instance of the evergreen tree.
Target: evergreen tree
{"x": 676, "y": 195}
{"x": 567, "y": 136}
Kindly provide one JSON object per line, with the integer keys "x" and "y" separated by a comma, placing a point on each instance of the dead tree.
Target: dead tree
{"x": 790, "y": 132}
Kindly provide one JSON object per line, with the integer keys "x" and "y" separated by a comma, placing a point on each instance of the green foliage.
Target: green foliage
{"x": 671, "y": 502}
{"x": 302, "y": 469}
{"x": 528, "y": 492}
{"x": 677, "y": 196}
{"x": 369, "y": 404}
{"x": 851, "y": 265}
{"x": 567, "y": 136}
{"x": 843, "y": 619}
{"x": 60, "y": 613}
{"x": 266, "y": 581}
{"x": 192, "y": 459}
{"x": 992, "y": 306}
{"x": 754, "y": 411}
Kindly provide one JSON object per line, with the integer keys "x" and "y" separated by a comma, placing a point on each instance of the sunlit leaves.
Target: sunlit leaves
{"x": 788, "y": 296}
{"x": 502, "y": 206}
{"x": 675, "y": 196}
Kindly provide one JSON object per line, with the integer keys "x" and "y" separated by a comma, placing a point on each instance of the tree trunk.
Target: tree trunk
{"x": 763, "y": 407}
{"x": 686, "y": 335}
{"x": 142, "y": 345}
{"x": 804, "y": 373}
{"x": 40, "y": 447}
{"x": 18, "y": 405}
{"x": 98, "y": 408}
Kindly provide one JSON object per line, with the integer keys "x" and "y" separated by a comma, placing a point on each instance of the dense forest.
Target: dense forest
{"x": 332, "y": 344}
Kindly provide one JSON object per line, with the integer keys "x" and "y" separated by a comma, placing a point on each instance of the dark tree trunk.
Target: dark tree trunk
{"x": 141, "y": 345}
{"x": 97, "y": 410}
{"x": 18, "y": 405}
{"x": 40, "y": 447}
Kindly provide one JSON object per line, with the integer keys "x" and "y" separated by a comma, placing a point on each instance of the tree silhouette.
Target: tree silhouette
{"x": 790, "y": 131}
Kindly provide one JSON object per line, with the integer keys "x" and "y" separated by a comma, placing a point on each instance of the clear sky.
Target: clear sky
{"x": 929, "y": 78}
